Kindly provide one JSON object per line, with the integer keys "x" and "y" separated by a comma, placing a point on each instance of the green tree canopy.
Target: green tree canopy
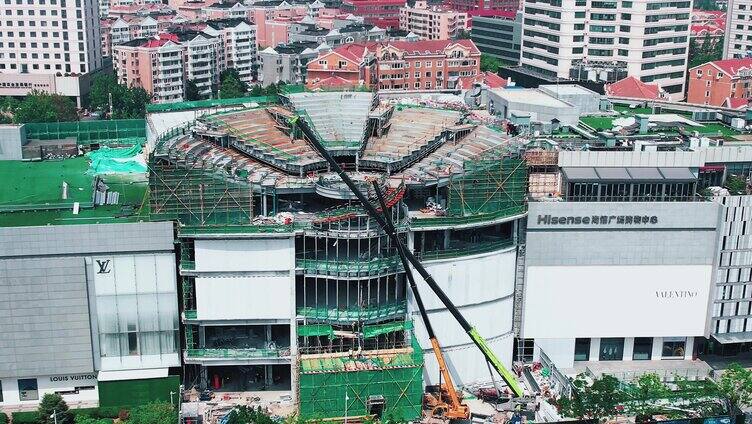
{"x": 489, "y": 63}
{"x": 39, "y": 106}
{"x": 127, "y": 103}
{"x": 53, "y": 409}
{"x": 230, "y": 84}
{"x": 153, "y": 413}
{"x": 706, "y": 51}
{"x": 191, "y": 91}
{"x": 736, "y": 385}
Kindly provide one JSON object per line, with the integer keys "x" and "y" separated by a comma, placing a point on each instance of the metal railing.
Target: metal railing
{"x": 236, "y": 353}
{"x": 475, "y": 248}
{"x": 358, "y": 267}
{"x": 442, "y": 221}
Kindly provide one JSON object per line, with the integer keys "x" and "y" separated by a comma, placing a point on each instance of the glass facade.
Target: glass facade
{"x": 582, "y": 349}
{"x": 137, "y": 311}
{"x": 674, "y": 347}
{"x": 612, "y": 349}
{"x": 643, "y": 348}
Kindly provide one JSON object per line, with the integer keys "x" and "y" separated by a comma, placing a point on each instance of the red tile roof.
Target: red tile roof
{"x": 736, "y": 103}
{"x": 705, "y": 29}
{"x": 732, "y": 66}
{"x": 355, "y": 51}
{"x": 632, "y": 87}
{"x": 333, "y": 82}
{"x": 487, "y": 78}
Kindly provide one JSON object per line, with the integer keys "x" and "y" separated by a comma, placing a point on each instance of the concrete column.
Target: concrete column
{"x": 595, "y": 348}
{"x": 268, "y": 334}
{"x": 268, "y": 377}
{"x": 201, "y": 336}
{"x": 446, "y": 239}
{"x": 294, "y": 358}
{"x": 628, "y": 348}
{"x": 689, "y": 348}
{"x": 657, "y": 348}
{"x": 204, "y": 380}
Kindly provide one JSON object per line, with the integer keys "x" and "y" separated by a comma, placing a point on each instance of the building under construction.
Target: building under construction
{"x": 288, "y": 285}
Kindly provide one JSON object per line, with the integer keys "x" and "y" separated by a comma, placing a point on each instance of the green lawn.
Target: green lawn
{"x": 38, "y": 183}
{"x": 631, "y": 111}
{"x": 714, "y": 128}
{"x": 602, "y": 122}
{"x": 38, "y": 186}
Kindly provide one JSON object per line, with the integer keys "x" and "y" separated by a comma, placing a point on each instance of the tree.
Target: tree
{"x": 127, "y": 102}
{"x": 192, "y": 91}
{"x": 736, "y": 385}
{"x": 707, "y": 5}
{"x": 257, "y": 90}
{"x": 39, "y": 106}
{"x": 86, "y": 419}
{"x": 231, "y": 86}
{"x": 736, "y": 184}
{"x": 489, "y": 63}
{"x": 154, "y": 413}
{"x": 709, "y": 50}
{"x": 53, "y": 403}
{"x": 249, "y": 415}
{"x": 598, "y": 400}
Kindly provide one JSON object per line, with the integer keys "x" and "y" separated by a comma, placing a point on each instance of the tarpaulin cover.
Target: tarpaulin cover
{"x": 127, "y": 160}
{"x": 370, "y": 331}
{"x": 316, "y": 330}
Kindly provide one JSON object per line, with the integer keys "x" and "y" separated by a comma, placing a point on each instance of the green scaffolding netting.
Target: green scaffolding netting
{"x": 125, "y": 160}
{"x": 121, "y": 131}
{"x": 370, "y": 331}
{"x": 316, "y": 330}
{"x": 328, "y": 390}
{"x": 354, "y": 314}
{"x": 488, "y": 186}
{"x": 199, "y": 104}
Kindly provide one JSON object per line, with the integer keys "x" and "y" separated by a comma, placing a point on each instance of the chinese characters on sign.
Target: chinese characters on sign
{"x": 598, "y": 220}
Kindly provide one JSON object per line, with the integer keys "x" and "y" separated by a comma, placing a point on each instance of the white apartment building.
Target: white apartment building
{"x": 202, "y": 54}
{"x": 738, "y": 40}
{"x": 238, "y": 44}
{"x": 606, "y": 40}
{"x": 49, "y": 45}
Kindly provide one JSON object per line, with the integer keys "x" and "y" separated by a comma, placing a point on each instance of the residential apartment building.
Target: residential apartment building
{"x": 738, "y": 39}
{"x": 480, "y": 5}
{"x": 238, "y": 44}
{"x": 287, "y": 62}
{"x": 607, "y": 40}
{"x": 382, "y": 13}
{"x": 156, "y": 65}
{"x": 54, "y": 48}
{"x": 726, "y": 83}
{"x": 400, "y": 65}
{"x": 432, "y": 22}
{"x": 499, "y": 35}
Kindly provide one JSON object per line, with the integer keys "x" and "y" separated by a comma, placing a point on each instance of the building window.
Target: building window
{"x": 1, "y": 392}
{"x": 643, "y": 348}
{"x": 27, "y": 389}
{"x": 582, "y": 349}
{"x": 673, "y": 347}
{"x": 612, "y": 349}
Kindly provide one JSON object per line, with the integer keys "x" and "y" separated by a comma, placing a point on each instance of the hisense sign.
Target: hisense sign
{"x": 598, "y": 220}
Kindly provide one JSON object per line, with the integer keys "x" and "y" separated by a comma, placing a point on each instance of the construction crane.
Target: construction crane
{"x": 452, "y": 408}
{"x": 408, "y": 256}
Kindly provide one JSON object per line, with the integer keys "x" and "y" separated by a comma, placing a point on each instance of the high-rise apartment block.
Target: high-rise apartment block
{"x": 49, "y": 45}
{"x": 607, "y": 40}
{"x": 738, "y": 40}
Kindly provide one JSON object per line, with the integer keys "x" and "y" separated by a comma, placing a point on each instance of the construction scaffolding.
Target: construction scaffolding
{"x": 116, "y": 131}
{"x": 493, "y": 187}
{"x": 197, "y": 193}
{"x": 385, "y": 384}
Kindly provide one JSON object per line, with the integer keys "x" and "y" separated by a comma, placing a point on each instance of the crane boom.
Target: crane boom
{"x": 479, "y": 341}
{"x": 455, "y": 409}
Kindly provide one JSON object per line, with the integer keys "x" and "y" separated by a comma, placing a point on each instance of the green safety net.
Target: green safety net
{"x": 121, "y": 131}
{"x": 125, "y": 160}
{"x": 370, "y": 331}
{"x": 200, "y": 104}
{"x": 316, "y": 330}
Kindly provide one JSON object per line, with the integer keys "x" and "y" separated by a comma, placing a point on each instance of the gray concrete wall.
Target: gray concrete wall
{"x": 684, "y": 233}
{"x": 45, "y": 326}
{"x": 12, "y": 138}
{"x": 44, "y": 317}
{"x": 85, "y": 239}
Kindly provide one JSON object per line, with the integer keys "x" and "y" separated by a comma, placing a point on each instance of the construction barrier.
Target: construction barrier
{"x": 88, "y": 132}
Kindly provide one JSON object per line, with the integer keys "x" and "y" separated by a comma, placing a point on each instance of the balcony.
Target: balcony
{"x": 354, "y": 268}
{"x": 236, "y": 356}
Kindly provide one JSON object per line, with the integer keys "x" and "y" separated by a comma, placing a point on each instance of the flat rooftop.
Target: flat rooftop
{"x": 530, "y": 96}
{"x": 34, "y": 194}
